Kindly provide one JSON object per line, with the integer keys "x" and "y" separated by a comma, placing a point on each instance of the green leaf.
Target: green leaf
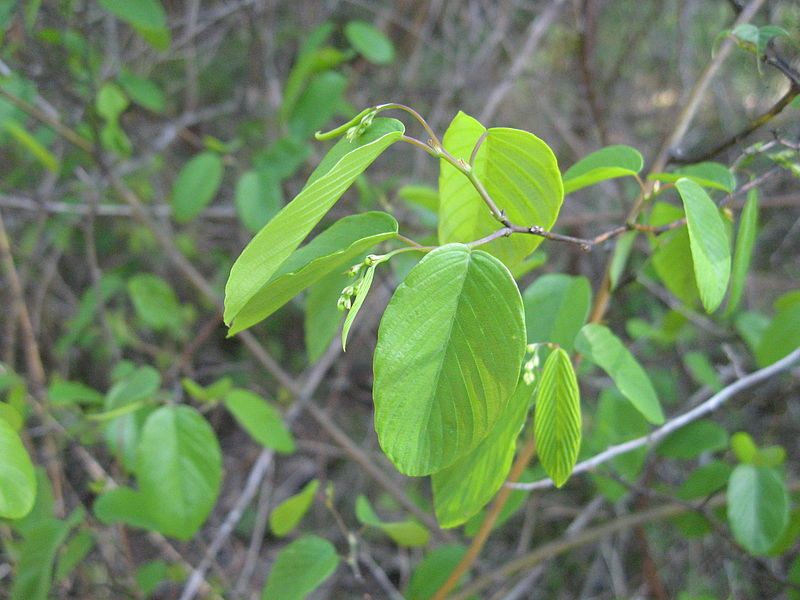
{"x": 211, "y": 393}
{"x": 143, "y": 91}
{"x": 334, "y": 249}
{"x": 556, "y": 307}
{"x": 147, "y": 14}
{"x": 179, "y": 470}
{"x": 705, "y": 480}
{"x": 17, "y": 477}
{"x": 744, "y": 447}
{"x": 758, "y": 507}
{"x": 256, "y": 200}
{"x": 260, "y": 419}
{"x": 607, "y": 163}
{"x": 34, "y": 146}
{"x": 73, "y": 554}
{"x": 369, "y": 42}
{"x": 692, "y": 440}
{"x": 558, "y": 417}
{"x": 306, "y": 64}
{"x": 317, "y": 104}
{"x": 111, "y": 102}
{"x": 433, "y": 571}
{"x": 707, "y": 174}
{"x": 322, "y": 316}
{"x": 34, "y": 573}
{"x": 672, "y": 256}
{"x": 67, "y": 393}
{"x": 196, "y": 185}
{"x": 608, "y": 352}
{"x": 288, "y": 514}
{"x": 465, "y": 487}
{"x": 362, "y": 289}
{"x": 702, "y": 371}
{"x": 155, "y": 301}
{"x": 745, "y": 241}
{"x": 782, "y": 335}
{"x": 519, "y": 171}
{"x": 620, "y": 257}
{"x": 300, "y": 568}
{"x": 449, "y": 352}
{"x": 408, "y": 534}
{"x": 420, "y": 195}
{"x": 12, "y": 416}
{"x": 125, "y": 505}
{"x": 709, "y": 243}
{"x": 279, "y": 238}
{"x": 150, "y": 575}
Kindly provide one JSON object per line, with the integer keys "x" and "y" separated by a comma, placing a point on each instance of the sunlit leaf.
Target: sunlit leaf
{"x": 288, "y": 514}
{"x": 607, "y": 163}
{"x": 260, "y": 419}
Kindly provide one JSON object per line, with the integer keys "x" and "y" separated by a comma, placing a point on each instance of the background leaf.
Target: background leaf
{"x": 370, "y": 42}
{"x": 743, "y": 252}
{"x": 196, "y": 185}
{"x": 758, "y": 507}
{"x": 607, "y": 163}
{"x": 300, "y": 568}
{"x": 288, "y": 514}
{"x": 260, "y": 419}
{"x": 556, "y": 307}
{"x": 17, "y": 478}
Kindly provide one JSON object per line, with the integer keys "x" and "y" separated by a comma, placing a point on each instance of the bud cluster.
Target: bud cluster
{"x": 530, "y": 366}
{"x": 356, "y": 130}
{"x": 358, "y": 270}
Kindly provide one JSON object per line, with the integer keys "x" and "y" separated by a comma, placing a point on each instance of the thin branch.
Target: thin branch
{"x": 659, "y": 434}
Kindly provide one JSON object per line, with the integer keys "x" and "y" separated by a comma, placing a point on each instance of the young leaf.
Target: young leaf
{"x": 465, "y": 487}
{"x": 271, "y": 246}
{"x": 743, "y": 252}
{"x": 288, "y": 514}
{"x": 408, "y": 534}
{"x": 556, "y": 307}
{"x": 179, "y": 470}
{"x": 300, "y": 568}
{"x": 607, "y": 163}
{"x": 196, "y": 185}
{"x": 260, "y": 419}
{"x": 709, "y": 243}
{"x": 362, "y": 290}
{"x": 369, "y": 42}
{"x": 449, "y": 352}
{"x": 758, "y": 507}
{"x": 17, "y": 477}
{"x": 519, "y": 171}
{"x": 558, "y": 417}
{"x": 334, "y": 249}
{"x": 608, "y": 352}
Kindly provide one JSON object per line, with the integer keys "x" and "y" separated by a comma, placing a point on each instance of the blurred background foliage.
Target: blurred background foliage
{"x": 143, "y": 143}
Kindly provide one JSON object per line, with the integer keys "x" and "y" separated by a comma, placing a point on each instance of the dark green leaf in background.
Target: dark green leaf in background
{"x": 196, "y": 185}
{"x": 556, "y": 307}
{"x": 300, "y": 568}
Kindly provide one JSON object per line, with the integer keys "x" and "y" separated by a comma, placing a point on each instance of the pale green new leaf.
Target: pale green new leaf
{"x": 179, "y": 470}
{"x": 17, "y": 477}
{"x": 300, "y": 568}
{"x": 465, "y": 487}
{"x": 336, "y": 248}
{"x": 449, "y": 352}
{"x": 607, "y": 163}
{"x": 758, "y": 507}
{"x": 408, "y": 534}
{"x": 260, "y": 419}
{"x": 743, "y": 252}
{"x": 556, "y": 307}
{"x": 362, "y": 290}
{"x": 709, "y": 243}
{"x": 607, "y": 351}
{"x": 271, "y": 246}
{"x": 557, "y": 420}
{"x": 196, "y": 185}
{"x": 520, "y": 173}
{"x": 288, "y": 514}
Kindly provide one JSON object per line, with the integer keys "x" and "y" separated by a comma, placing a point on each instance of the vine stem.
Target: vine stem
{"x": 523, "y": 459}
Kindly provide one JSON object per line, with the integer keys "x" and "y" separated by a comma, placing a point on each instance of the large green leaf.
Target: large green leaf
{"x": 466, "y": 486}
{"x": 607, "y": 163}
{"x": 260, "y": 419}
{"x": 17, "y": 477}
{"x": 336, "y": 248}
{"x": 300, "y": 568}
{"x": 556, "y": 307}
{"x": 407, "y": 533}
{"x": 558, "y": 417}
{"x": 179, "y": 469}
{"x": 708, "y": 239}
{"x": 288, "y": 514}
{"x": 758, "y": 507}
{"x": 608, "y": 352}
{"x": 449, "y": 352}
{"x": 519, "y": 171}
{"x": 271, "y": 246}
{"x": 743, "y": 252}
{"x": 196, "y": 185}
